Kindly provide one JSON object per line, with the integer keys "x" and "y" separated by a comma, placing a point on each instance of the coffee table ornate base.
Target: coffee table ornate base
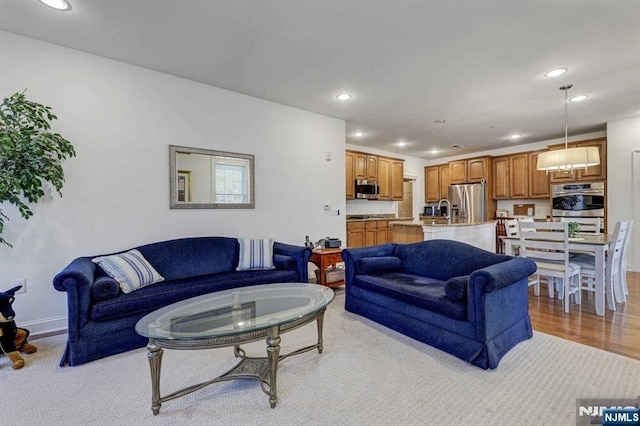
{"x": 263, "y": 369}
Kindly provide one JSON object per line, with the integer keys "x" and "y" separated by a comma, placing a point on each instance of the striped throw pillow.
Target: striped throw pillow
{"x": 131, "y": 270}
{"x": 255, "y": 254}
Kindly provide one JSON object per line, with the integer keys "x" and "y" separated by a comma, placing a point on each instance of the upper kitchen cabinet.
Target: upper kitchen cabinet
{"x": 388, "y": 172}
{"x": 397, "y": 180}
{"x": 436, "y": 182}
{"x": 501, "y": 178}
{"x": 458, "y": 171}
{"x": 538, "y": 179}
{"x": 598, "y": 172}
{"x": 469, "y": 171}
{"x": 515, "y": 177}
{"x": 390, "y": 178}
{"x": 518, "y": 175}
{"x": 366, "y": 165}
{"x": 350, "y": 167}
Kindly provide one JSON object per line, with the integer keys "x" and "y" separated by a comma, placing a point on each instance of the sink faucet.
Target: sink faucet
{"x": 448, "y": 215}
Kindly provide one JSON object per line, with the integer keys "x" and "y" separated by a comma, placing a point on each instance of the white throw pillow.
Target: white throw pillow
{"x": 255, "y": 254}
{"x": 131, "y": 270}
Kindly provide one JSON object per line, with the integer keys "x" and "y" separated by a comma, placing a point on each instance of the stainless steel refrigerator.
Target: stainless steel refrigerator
{"x": 468, "y": 202}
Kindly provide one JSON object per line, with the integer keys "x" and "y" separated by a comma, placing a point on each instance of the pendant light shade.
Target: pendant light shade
{"x": 568, "y": 159}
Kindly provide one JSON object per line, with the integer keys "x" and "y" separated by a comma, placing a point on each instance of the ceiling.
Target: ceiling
{"x": 478, "y": 65}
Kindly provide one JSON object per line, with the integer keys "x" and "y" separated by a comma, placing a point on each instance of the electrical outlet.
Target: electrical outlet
{"x": 22, "y": 282}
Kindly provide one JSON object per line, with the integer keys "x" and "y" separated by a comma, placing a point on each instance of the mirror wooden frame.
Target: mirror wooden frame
{"x": 173, "y": 179}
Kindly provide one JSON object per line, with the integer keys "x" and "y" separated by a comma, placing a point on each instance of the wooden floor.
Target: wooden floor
{"x": 617, "y": 331}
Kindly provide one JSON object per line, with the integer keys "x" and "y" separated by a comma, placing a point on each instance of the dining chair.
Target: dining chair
{"x": 511, "y": 227}
{"x": 591, "y": 225}
{"x": 547, "y": 244}
{"x": 612, "y": 268}
{"x": 623, "y": 264}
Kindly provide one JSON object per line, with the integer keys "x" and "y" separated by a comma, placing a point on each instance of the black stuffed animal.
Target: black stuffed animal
{"x": 13, "y": 340}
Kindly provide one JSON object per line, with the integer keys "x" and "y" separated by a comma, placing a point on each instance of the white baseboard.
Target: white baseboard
{"x": 54, "y": 325}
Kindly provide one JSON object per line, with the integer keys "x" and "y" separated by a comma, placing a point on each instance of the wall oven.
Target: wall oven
{"x": 578, "y": 200}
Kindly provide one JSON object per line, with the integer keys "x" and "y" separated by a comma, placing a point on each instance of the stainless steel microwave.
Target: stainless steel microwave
{"x": 367, "y": 189}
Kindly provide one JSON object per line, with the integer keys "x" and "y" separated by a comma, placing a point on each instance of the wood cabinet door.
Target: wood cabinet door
{"x": 349, "y": 166}
{"x": 458, "y": 171}
{"x": 360, "y": 166}
{"x": 598, "y": 172}
{"x": 372, "y": 167}
{"x": 501, "y": 178}
{"x": 381, "y": 231}
{"x": 476, "y": 169}
{"x": 432, "y": 183}
{"x": 538, "y": 179}
{"x": 355, "y": 234}
{"x": 370, "y": 236}
{"x": 518, "y": 176}
{"x": 444, "y": 181}
{"x": 384, "y": 178}
{"x": 397, "y": 180}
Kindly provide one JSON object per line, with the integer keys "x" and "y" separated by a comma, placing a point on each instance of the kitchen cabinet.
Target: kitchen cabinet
{"x": 376, "y": 232}
{"x": 458, "y": 171}
{"x": 384, "y": 178}
{"x": 518, "y": 175}
{"x": 355, "y": 234}
{"x": 349, "y": 167}
{"x": 388, "y": 172}
{"x": 478, "y": 169}
{"x": 515, "y": 177}
{"x": 501, "y": 178}
{"x": 397, "y": 180}
{"x": 592, "y": 173}
{"x": 538, "y": 179}
{"x": 472, "y": 170}
{"x": 436, "y": 183}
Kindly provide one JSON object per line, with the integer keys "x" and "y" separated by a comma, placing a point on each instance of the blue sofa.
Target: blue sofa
{"x": 102, "y": 322}
{"x": 458, "y": 298}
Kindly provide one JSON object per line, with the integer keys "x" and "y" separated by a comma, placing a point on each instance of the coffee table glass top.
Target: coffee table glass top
{"x": 235, "y": 311}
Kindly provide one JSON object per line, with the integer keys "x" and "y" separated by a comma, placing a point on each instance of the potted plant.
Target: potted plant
{"x": 574, "y": 228}
{"x": 30, "y": 154}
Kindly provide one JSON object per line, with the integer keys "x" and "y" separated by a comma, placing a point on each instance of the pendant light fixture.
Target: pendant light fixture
{"x": 568, "y": 159}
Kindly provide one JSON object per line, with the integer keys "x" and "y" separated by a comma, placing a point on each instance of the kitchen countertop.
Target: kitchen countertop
{"x": 440, "y": 225}
{"x": 360, "y": 218}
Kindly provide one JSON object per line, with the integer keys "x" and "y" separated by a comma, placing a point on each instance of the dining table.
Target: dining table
{"x": 595, "y": 244}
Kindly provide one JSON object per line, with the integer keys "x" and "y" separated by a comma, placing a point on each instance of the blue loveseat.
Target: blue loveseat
{"x": 102, "y": 322}
{"x": 458, "y": 298}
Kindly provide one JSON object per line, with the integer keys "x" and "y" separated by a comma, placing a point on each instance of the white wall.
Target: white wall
{"x": 121, "y": 120}
{"x": 623, "y": 137}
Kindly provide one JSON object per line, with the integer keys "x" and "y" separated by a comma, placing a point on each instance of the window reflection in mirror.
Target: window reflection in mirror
{"x": 208, "y": 179}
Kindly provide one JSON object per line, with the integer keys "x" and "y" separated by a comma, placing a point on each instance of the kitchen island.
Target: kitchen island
{"x": 481, "y": 235}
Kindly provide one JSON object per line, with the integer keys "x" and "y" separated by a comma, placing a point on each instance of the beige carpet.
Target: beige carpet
{"x": 366, "y": 375}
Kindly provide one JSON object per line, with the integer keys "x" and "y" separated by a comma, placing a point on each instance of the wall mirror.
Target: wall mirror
{"x": 208, "y": 179}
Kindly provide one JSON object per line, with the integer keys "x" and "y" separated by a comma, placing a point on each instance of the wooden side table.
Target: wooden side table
{"x": 325, "y": 258}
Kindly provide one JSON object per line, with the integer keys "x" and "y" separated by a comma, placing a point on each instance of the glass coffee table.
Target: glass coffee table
{"x": 231, "y": 318}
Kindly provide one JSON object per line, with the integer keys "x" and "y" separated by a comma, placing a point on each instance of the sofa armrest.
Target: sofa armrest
{"x": 300, "y": 254}
{"x": 352, "y": 256}
{"x": 503, "y": 274}
{"x": 76, "y": 279}
{"x": 498, "y": 296}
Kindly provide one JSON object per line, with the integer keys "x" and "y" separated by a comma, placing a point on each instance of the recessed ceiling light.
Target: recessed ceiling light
{"x": 402, "y": 144}
{"x": 358, "y": 134}
{"x": 57, "y": 4}
{"x": 434, "y": 151}
{"x": 579, "y": 98}
{"x": 515, "y": 136}
{"x": 343, "y": 97}
{"x": 556, "y": 72}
